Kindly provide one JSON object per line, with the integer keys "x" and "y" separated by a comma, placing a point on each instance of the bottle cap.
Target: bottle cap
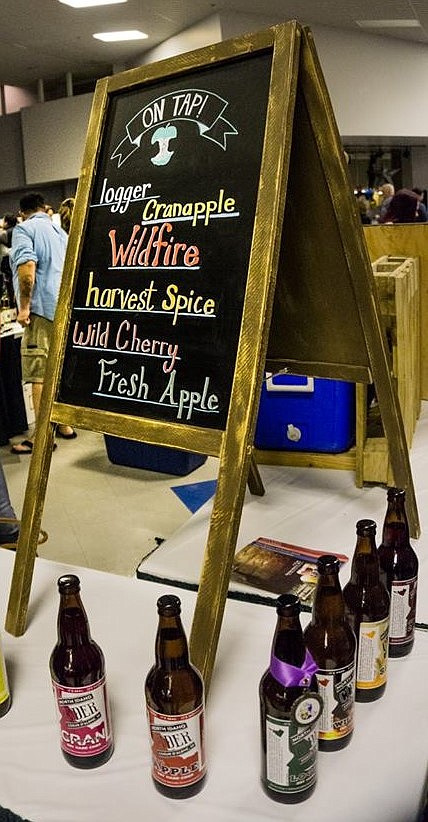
{"x": 288, "y": 605}
{"x": 328, "y": 563}
{"x": 393, "y": 493}
{"x": 69, "y": 584}
{"x": 366, "y": 527}
{"x": 169, "y": 605}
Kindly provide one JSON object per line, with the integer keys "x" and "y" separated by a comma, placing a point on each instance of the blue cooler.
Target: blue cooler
{"x": 305, "y": 414}
{"x": 135, "y": 454}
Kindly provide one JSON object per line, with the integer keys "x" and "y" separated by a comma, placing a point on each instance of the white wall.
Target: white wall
{"x": 202, "y": 34}
{"x": 377, "y": 85}
{"x": 53, "y": 136}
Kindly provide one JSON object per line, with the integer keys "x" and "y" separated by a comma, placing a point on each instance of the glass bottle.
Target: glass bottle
{"x": 332, "y": 643}
{"x": 290, "y": 708}
{"x": 78, "y": 679}
{"x": 367, "y": 611}
{"x": 175, "y": 706}
{"x": 399, "y": 572}
{"x": 5, "y": 697}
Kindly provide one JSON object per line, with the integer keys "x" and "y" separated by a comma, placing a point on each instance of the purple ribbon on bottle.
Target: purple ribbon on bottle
{"x": 290, "y": 675}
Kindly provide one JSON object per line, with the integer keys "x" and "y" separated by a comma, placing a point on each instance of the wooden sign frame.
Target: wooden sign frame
{"x": 292, "y": 69}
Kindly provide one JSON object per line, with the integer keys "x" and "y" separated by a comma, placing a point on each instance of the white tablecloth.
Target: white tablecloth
{"x": 378, "y": 778}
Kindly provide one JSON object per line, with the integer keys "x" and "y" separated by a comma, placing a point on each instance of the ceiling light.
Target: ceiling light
{"x": 86, "y": 4}
{"x": 120, "y": 36}
{"x": 389, "y": 24}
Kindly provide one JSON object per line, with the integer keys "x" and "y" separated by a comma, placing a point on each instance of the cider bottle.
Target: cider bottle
{"x": 175, "y": 706}
{"x": 5, "y": 697}
{"x": 78, "y": 679}
{"x": 399, "y": 572}
{"x": 290, "y": 708}
{"x": 367, "y": 611}
{"x": 332, "y": 643}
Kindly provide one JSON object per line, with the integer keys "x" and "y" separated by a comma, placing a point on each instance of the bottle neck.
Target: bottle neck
{"x": 73, "y": 627}
{"x": 288, "y": 643}
{"x": 365, "y": 562}
{"x": 171, "y": 649}
{"x": 396, "y": 527}
{"x": 329, "y": 606}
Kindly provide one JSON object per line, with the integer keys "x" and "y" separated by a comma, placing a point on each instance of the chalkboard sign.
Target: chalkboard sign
{"x": 162, "y": 275}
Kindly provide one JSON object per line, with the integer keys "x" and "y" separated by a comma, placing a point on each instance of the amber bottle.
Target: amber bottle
{"x": 332, "y": 643}
{"x": 175, "y": 708}
{"x": 290, "y": 708}
{"x": 5, "y": 697}
{"x": 78, "y": 680}
{"x": 399, "y": 572}
{"x": 367, "y": 611}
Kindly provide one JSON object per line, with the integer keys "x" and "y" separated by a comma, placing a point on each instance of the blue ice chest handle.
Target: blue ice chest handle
{"x": 289, "y": 382}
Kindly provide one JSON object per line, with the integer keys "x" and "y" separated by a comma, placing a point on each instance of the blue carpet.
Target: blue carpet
{"x": 195, "y": 494}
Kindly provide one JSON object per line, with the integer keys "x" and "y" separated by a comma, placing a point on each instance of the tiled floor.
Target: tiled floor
{"x": 101, "y": 515}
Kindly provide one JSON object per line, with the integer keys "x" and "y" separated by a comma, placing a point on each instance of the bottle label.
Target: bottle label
{"x": 292, "y": 745}
{"x": 84, "y": 719}
{"x": 4, "y": 687}
{"x": 372, "y": 654}
{"x": 403, "y": 610}
{"x": 337, "y": 689}
{"x": 178, "y": 747}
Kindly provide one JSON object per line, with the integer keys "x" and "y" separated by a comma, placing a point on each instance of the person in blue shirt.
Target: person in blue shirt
{"x": 37, "y": 257}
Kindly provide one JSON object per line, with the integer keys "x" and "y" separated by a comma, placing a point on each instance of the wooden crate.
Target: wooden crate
{"x": 397, "y": 281}
{"x": 406, "y": 240}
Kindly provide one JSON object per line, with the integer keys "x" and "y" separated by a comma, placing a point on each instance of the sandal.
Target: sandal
{"x": 25, "y": 447}
{"x": 71, "y": 436}
{"x": 12, "y": 546}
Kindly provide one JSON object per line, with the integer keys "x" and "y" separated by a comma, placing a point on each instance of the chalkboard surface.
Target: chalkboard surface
{"x": 159, "y": 291}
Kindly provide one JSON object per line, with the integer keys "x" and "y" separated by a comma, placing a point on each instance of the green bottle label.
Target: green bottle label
{"x": 291, "y": 746}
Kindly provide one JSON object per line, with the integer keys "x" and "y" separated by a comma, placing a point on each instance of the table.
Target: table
{"x": 378, "y": 778}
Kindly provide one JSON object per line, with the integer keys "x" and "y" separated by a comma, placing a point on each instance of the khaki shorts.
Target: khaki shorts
{"x": 34, "y": 348}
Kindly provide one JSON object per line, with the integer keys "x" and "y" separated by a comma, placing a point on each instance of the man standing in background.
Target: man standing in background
{"x": 37, "y": 257}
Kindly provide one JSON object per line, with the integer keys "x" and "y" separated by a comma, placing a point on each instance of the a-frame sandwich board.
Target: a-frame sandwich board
{"x": 197, "y": 132}
{"x": 257, "y": 78}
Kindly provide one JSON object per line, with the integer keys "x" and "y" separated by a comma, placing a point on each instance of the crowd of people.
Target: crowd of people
{"x": 33, "y": 246}
{"x": 387, "y": 206}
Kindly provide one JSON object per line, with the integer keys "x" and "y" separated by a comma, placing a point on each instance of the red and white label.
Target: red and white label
{"x": 178, "y": 749}
{"x": 84, "y": 719}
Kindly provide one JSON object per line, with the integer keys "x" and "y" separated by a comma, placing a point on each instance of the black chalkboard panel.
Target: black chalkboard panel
{"x": 161, "y": 281}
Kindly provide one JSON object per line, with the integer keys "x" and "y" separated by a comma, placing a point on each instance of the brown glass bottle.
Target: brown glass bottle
{"x": 332, "y": 643}
{"x": 367, "y": 611}
{"x": 175, "y": 708}
{"x": 290, "y": 708}
{"x": 78, "y": 679}
{"x": 5, "y": 697}
{"x": 399, "y": 572}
